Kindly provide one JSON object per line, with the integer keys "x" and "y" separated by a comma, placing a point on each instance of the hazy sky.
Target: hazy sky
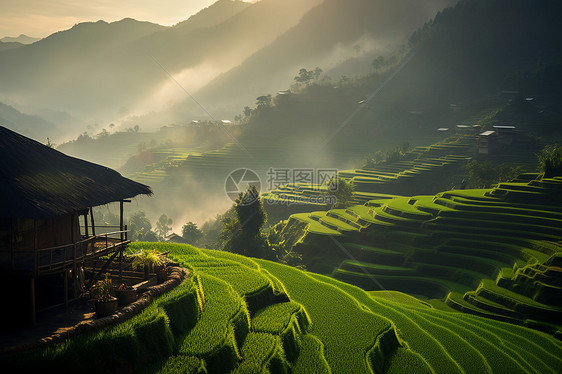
{"x": 40, "y": 18}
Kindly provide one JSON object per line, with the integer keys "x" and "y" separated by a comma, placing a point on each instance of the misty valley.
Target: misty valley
{"x": 283, "y": 186}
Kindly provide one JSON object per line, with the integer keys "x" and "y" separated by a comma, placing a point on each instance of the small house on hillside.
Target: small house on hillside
{"x": 506, "y": 133}
{"x": 175, "y": 238}
{"x": 487, "y": 141}
{"x": 47, "y": 230}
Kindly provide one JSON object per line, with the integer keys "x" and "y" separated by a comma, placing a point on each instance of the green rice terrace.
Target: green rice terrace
{"x": 418, "y": 172}
{"x": 495, "y": 253}
{"x": 241, "y": 315}
{"x": 156, "y": 172}
{"x": 213, "y": 165}
{"x": 423, "y": 164}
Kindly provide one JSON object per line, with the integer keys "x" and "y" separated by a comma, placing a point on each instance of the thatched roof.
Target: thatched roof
{"x": 39, "y": 182}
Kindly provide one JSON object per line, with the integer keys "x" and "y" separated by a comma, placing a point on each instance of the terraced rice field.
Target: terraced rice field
{"x": 157, "y": 172}
{"x": 383, "y": 181}
{"x": 492, "y": 252}
{"x": 242, "y": 315}
{"x": 219, "y": 163}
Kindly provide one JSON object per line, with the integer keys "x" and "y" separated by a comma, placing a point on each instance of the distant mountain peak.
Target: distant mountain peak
{"x": 214, "y": 14}
{"x": 22, "y": 38}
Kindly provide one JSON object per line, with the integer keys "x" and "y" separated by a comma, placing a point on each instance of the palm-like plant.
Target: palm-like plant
{"x": 146, "y": 258}
{"x": 102, "y": 289}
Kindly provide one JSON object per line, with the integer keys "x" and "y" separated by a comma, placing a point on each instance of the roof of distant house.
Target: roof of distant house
{"x": 175, "y": 238}
{"x": 487, "y": 133}
{"x": 40, "y": 182}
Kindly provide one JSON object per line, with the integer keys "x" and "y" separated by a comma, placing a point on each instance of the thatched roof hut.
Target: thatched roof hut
{"x": 43, "y": 195}
{"x": 41, "y": 182}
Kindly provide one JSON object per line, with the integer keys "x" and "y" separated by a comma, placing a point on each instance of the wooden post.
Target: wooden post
{"x": 121, "y": 218}
{"x": 93, "y": 223}
{"x": 74, "y": 255}
{"x": 120, "y": 264}
{"x": 32, "y": 300}
{"x": 86, "y": 224}
{"x": 121, "y": 246}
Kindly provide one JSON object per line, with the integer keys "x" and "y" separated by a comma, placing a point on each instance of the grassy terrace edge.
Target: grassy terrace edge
{"x": 246, "y": 315}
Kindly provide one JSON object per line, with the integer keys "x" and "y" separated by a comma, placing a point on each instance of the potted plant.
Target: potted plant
{"x": 125, "y": 294}
{"x": 105, "y": 304}
{"x": 147, "y": 259}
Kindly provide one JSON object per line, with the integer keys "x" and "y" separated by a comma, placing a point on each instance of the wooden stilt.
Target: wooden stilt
{"x": 121, "y": 218}
{"x": 86, "y": 224}
{"x": 74, "y": 259}
{"x": 121, "y": 227}
{"x": 93, "y": 223}
{"x": 121, "y": 264}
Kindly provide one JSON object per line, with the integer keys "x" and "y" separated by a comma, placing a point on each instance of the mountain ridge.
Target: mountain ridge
{"x": 22, "y": 39}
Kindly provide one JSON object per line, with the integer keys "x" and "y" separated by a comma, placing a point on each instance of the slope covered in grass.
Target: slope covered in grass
{"x": 241, "y": 315}
{"x": 490, "y": 252}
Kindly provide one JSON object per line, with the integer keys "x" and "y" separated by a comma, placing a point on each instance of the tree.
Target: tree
{"x": 242, "y": 231}
{"x": 263, "y": 101}
{"x": 191, "y": 233}
{"x": 550, "y": 160}
{"x": 281, "y": 248}
{"x": 485, "y": 174}
{"x": 250, "y": 211}
{"x": 308, "y": 76}
{"x": 163, "y": 226}
{"x": 247, "y": 111}
{"x": 342, "y": 192}
{"x": 317, "y": 73}
{"x": 229, "y": 237}
{"x": 397, "y": 154}
{"x": 140, "y": 228}
{"x": 304, "y": 77}
{"x": 212, "y": 231}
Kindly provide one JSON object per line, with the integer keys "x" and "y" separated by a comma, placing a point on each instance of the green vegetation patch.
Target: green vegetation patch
{"x": 183, "y": 364}
{"x": 333, "y": 314}
{"x": 399, "y": 297}
{"x": 311, "y": 359}
{"x": 262, "y": 352}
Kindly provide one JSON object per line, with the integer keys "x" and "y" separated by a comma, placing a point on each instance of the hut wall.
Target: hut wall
{"x": 58, "y": 231}
{"x": 53, "y": 232}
